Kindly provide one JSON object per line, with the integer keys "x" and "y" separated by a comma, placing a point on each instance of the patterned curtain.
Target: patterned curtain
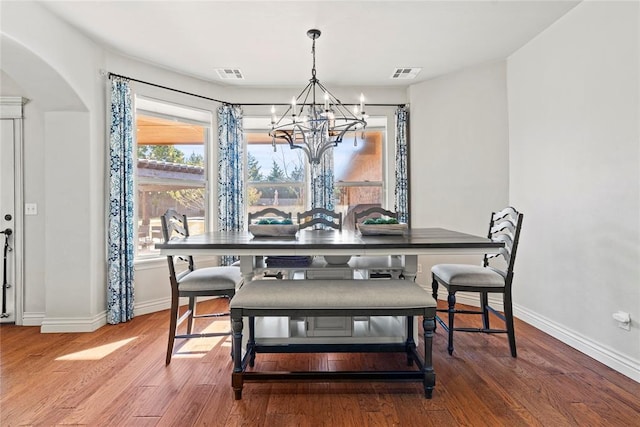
{"x": 230, "y": 172}
{"x": 402, "y": 166}
{"x": 121, "y": 193}
{"x": 322, "y": 185}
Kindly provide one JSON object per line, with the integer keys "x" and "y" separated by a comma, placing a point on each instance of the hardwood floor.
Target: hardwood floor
{"x": 116, "y": 376}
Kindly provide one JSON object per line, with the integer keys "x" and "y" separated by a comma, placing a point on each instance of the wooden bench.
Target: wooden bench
{"x": 333, "y": 297}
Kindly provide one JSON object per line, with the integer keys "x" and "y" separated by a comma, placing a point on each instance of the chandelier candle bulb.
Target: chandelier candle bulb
{"x": 326, "y": 101}
{"x": 362, "y": 103}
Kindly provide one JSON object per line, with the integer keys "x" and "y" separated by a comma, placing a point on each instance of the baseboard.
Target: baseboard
{"x": 471, "y": 299}
{"x": 55, "y": 325}
{"x": 614, "y": 360}
{"x": 32, "y": 318}
{"x": 148, "y": 307}
{"x": 611, "y": 358}
{"x": 160, "y": 304}
{"x": 73, "y": 324}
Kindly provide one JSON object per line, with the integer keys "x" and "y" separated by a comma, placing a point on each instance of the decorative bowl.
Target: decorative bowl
{"x": 382, "y": 229}
{"x": 337, "y": 259}
{"x": 273, "y": 230}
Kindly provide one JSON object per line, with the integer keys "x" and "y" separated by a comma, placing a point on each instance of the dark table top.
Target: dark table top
{"x": 316, "y": 242}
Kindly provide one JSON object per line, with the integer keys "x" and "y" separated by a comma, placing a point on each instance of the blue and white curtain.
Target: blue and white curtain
{"x": 230, "y": 172}
{"x": 120, "y": 239}
{"x": 402, "y": 165}
{"x": 322, "y": 185}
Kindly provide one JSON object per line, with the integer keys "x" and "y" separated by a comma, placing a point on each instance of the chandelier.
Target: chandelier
{"x": 315, "y": 127}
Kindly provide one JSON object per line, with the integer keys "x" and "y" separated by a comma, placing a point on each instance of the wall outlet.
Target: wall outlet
{"x": 30, "y": 209}
{"x": 623, "y": 319}
{"x": 419, "y": 268}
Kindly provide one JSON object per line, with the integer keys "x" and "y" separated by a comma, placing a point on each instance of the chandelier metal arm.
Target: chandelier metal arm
{"x": 315, "y": 127}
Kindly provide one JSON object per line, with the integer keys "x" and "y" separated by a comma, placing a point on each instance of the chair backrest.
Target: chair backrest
{"x": 321, "y": 216}
{"x": 175, "y": 224}
{"x": 505, "y": 227}
{"x": 272, "y": 212}
{"x": 374, "y": 211}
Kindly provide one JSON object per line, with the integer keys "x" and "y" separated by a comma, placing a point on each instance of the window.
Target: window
{"x": 280, "y": 178}
{"x": 171, "y": 169}
{"x": 274, "y": 178}
{"x": 358, "y": 172}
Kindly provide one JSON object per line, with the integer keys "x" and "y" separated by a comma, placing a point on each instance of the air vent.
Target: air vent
{"x": 405, "y": 73}
{"x": 230, "y": 73}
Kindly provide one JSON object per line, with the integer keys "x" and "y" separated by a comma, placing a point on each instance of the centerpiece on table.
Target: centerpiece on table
{"x": 268, "y": 227}
{"x": 382, "y": 226}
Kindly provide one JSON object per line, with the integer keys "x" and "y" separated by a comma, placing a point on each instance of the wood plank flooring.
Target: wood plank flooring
{"x": 116, "y": 377}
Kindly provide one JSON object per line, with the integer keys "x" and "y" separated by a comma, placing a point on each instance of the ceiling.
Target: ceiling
{"x": 362, "y": 42}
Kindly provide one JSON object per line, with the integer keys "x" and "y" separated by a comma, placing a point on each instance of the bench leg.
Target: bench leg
{"x": 236, "y": 377}
{"x": 252, "y": 341}
{"x": 409, "y": 343}
{"x": 429, "y": 325}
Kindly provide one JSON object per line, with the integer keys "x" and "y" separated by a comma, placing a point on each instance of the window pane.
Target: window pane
{"x": 278, "y": 179}
{"x": 170, "y": 175}
{"x": 362, "y": 162}
{"x": 274, "y": 178}
{"x": 358, "y": 174}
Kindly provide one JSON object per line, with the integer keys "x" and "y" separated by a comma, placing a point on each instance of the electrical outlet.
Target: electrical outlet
{"x": 419, "y": 268}
{"x": 623, "y": 319}
{"x": 30, "y": 209}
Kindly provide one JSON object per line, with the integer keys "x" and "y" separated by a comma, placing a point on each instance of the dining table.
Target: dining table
{"x": 412, "y": 243}
{"x": 402, "y": 249}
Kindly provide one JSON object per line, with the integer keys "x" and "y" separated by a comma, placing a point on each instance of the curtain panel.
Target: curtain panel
{"x": 402, "y": 164}
{"x": 120, "y": 251}
{"x": 230, "y": 172}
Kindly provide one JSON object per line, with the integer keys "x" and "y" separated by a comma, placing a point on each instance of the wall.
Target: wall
{"x": 64, "y": 244}
{"x": 459, "y": 163}
{"x": 66, "y": 120}
{"x": 575, "y": 172}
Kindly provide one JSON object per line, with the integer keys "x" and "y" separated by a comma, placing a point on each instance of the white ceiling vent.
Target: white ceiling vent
{"x": 405, "y": 73}
{"x": 230, "y": 73}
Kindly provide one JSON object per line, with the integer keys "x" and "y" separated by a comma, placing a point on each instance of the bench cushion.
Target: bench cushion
{"x": 330, "y": 294}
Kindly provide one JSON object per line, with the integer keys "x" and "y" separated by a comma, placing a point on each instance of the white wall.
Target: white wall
{"x": 64, "y": 132}
{"x": 459, "y": 162}
{"x": 575, "y": 172}
{"x": 65, "y": 276}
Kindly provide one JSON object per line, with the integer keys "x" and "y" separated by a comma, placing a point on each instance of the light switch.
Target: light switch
{"x": 30, "y": 209}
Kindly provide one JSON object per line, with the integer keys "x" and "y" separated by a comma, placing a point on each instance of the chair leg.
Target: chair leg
{"x": 173, "y": 322}
{"x": 508, "y": 316}
{"x": 434, "y": 287}
{"x": 192, "y": 313}
{"x": 452, "y": 304}
{"x": 484, "y": 304}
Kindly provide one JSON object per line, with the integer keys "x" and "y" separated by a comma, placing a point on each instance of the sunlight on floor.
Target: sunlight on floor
{"x": 199, "y": 347}
{"x": 97, "y": 353}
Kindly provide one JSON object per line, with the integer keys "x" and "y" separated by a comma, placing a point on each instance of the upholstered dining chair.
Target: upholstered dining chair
{"x": 187, "y": 281}
{"x": 272, "y": 213}
{"x": 325, "y": 217}
{"x": 484, "y": 279}
{"x": 268, "y": 212}
{"x": 376, "y": 267}
{"x": 377, "y": 211}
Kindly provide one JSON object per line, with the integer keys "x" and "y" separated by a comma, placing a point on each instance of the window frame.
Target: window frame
{"x": 378, "y": 124}
{"x": 183, "y": 114}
